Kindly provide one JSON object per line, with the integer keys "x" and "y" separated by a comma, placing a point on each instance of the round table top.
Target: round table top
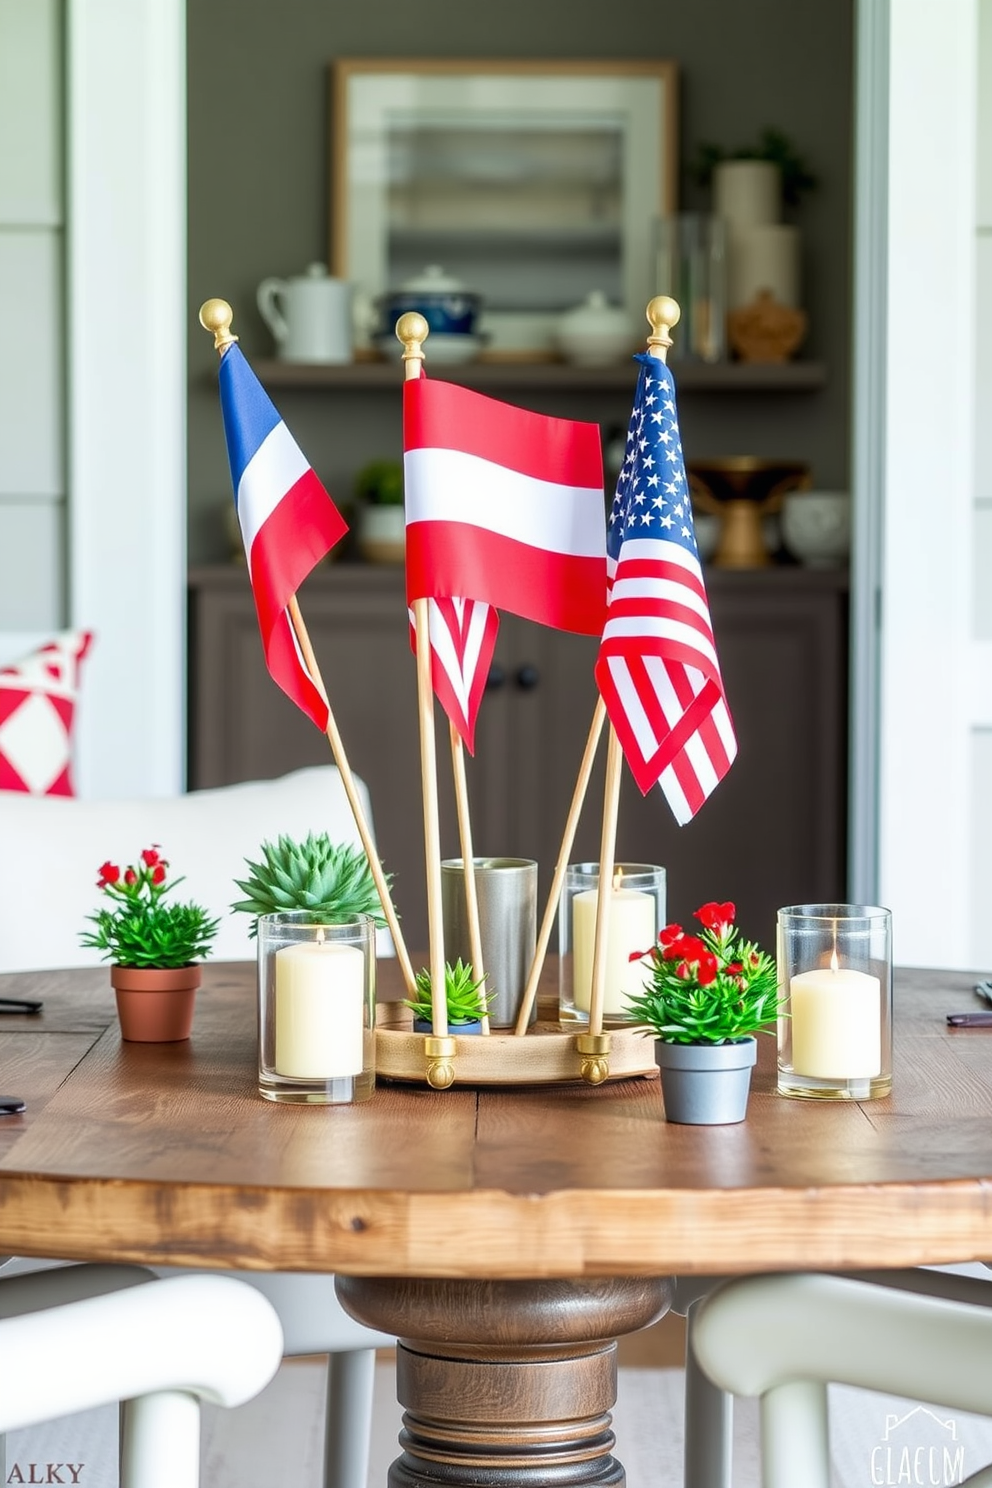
{"x": 167, "y": 1154}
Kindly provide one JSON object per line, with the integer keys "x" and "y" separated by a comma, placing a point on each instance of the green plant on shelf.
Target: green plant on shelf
{"x": 772, "y": 145}
{"x": 380, "y": 483}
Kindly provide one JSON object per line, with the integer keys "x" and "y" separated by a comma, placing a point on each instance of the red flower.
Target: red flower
{"x": 734, "y": 968}
{"x": 714, "y": 916}
{"x": 130, "y": 877}
{"x": 158, "y": 873}
{"x": 690, "y": 948}
{"x": 150, "y": 857}
{"x": 707, "y": 969}
{"x": 109, "y": 874}
{"x": 669, "y": 935}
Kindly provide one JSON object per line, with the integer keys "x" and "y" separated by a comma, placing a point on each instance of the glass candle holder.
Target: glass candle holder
{"x": 506, "y": 894}
{"x": 316, "y": 1009}
{"x": 835, "y": 1032}
{"x": 636, "y": 914}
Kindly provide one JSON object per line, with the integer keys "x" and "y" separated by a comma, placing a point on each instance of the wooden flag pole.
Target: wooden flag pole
{"x": 607, "y": 863}
{"x": 354, "y": 800}
{"x": 412, "y": 330}
{"x": 564, "y": 852}
{"x": 468, "y": 860}
{"x": 216, "y": 317}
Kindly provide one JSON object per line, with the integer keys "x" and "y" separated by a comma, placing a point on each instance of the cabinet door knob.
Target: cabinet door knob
{"x": 495, "y": 678}
{"x": 527, "y": 677}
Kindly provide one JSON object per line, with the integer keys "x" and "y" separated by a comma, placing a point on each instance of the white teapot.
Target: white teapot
{"x": 309, "y": 316}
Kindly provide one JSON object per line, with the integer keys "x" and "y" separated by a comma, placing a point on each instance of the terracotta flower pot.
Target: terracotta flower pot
{"x": 155, "y": 1003}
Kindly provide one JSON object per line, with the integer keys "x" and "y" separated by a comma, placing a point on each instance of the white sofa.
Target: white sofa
{"x": 51, "y": 848}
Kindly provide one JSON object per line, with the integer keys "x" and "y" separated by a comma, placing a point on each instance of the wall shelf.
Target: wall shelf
{"x": 716, "y": 377}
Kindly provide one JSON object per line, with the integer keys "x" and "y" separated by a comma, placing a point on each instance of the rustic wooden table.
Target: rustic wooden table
{"x": 497, "y": 1232}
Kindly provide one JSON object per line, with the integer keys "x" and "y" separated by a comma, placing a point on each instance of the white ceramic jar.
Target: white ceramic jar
{"x": 595, "y": 333}
{"x": 309, "y": 316}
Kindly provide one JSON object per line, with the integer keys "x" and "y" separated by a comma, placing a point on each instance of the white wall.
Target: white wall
{"x": 127, "y": 322}
{"x": 93, "y": 321}
{"x": 32, "y": 340}
{"x": 934, "y": 688}
{"x": 980, "y": 861}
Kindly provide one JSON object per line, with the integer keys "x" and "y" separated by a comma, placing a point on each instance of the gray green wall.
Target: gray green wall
{"x": 258, "y": 190}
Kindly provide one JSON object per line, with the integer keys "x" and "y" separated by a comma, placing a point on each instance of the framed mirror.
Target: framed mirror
{"x": 531, "y": 183}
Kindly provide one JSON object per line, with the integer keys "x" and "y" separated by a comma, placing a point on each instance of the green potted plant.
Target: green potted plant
{"x": 330, "y": 882}
{"x": 464, "y": 995}
{"x": 772, "y": 147}
{"x": 381, "y": 523}
{"x": 155, "y": 948}
{"x": 705, "y": 998}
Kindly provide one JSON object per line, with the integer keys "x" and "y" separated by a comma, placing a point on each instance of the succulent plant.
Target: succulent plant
{"x": 463, "y": 990}
{"x": 331, "y": 880}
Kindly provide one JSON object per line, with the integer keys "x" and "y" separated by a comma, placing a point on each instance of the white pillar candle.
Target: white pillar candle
{"x": 836, "y": 1024}
{"x": 319, "y": 997}
{"x": 630, "y": 926}
{"x": 764, "y": 258}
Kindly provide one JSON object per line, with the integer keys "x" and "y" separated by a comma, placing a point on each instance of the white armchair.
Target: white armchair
{"x": 206, "y": 835}
{"x": 95, "y": 1335}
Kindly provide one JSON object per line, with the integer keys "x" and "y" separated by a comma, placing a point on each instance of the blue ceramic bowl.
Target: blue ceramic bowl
{"x": 449, "y": 312}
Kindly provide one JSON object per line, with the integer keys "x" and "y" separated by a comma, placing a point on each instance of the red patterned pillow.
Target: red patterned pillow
{"x": 37, "y": 707}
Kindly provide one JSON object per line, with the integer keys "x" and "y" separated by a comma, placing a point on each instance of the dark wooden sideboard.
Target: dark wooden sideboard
{"x": 772, "y": 834}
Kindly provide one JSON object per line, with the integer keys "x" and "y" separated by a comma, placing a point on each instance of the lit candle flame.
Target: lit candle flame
{"x": 834, "y": 963}
{"x": 319, "y": 937}
{"x": 618, "y": 880}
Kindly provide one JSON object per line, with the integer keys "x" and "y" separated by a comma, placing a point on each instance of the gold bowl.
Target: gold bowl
{"x": 741, "y": 490}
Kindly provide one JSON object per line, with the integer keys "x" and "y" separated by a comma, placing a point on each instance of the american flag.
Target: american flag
{"x": 657, "y": 669}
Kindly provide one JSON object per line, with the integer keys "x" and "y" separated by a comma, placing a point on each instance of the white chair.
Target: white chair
{"x": 206, "y": 835}
{"x": 922, "y": 1334}
{"x": 87, "y": 1336}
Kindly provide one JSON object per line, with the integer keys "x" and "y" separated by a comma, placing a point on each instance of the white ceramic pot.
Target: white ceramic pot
{"x": 595, "y": 333}
{"x": 309, "y": 317}
{"x": 381, "y": 533}
{"x": 747, "y": 193}
{"x": 816, "y": 527}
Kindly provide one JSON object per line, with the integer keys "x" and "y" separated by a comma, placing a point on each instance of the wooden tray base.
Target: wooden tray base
{"x": 546, "y": 1055}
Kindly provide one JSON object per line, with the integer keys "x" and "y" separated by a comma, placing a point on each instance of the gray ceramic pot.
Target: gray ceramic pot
{"x": 705, "y": 1084}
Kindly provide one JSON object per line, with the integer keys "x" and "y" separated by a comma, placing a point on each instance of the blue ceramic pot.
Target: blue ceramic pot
{"x": 424, "y": 1025}
{"x": 448, "y": 308}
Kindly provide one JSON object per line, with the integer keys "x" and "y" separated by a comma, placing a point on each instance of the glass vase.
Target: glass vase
{"x": 316, "y": 1009}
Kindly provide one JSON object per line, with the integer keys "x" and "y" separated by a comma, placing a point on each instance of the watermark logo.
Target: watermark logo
{"x": 46, "y": 1472}
{"x": 919, "y": 1449}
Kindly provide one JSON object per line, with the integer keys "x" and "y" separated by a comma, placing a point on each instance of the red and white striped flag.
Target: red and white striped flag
{"x": 657, "y": 670}
{"x": 504, "y": 510}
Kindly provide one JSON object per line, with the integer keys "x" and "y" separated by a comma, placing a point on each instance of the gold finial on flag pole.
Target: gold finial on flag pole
{"x": 216, "y": 317}
{"x": 663, "y": 315}
{"x": 412, "y": 330}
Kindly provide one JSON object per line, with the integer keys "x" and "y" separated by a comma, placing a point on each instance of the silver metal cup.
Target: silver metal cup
{"x": 506, "y": 890}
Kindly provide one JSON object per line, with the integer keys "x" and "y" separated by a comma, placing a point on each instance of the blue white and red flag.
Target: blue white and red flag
{"x": 288, "y": 522}
{"x": 657, "y": 669}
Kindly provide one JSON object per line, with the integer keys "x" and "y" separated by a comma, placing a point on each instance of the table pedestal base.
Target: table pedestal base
{"x": 510, "y": 1383}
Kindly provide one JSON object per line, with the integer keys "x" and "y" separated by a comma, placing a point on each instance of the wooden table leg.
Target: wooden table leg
{"x": 510, "y": 1383}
